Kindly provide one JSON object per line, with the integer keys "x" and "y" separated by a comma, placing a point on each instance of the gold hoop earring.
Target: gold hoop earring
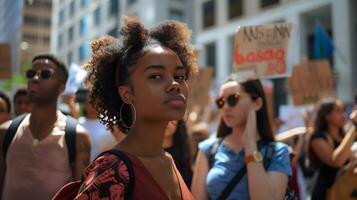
{"x": 133, "y": 115}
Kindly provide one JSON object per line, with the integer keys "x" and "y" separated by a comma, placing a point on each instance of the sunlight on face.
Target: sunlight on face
{"x": 231, "y": 86}
{"x": 157, "y": 49}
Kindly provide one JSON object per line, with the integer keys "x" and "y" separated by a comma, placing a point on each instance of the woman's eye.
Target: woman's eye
{"x": 155, "y": 76}
{"x": 180, "y": 77}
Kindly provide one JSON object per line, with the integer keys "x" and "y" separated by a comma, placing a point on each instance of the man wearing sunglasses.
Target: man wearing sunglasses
{"x": 38, "y": 162}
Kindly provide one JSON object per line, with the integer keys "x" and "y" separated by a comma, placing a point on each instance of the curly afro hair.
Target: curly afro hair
{"x": 112, "y": 59}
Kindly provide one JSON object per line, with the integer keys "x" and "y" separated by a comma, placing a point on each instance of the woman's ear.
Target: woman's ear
{"x": 61, "y": 88}
{"x": 258, "y": 104}
{"x": 125, "y": 94}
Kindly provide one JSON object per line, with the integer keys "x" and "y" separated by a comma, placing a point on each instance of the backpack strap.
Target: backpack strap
{"x": 129, "y": 192}
{"x": 11, "y": 132}
{"x": 70, "y": 137}
{"x": 213, "y": 150}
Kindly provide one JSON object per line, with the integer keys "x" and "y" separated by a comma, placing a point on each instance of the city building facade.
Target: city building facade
{"x": 35, "y": 30}
{"x": 77, "y": 22}
{"x": 10, "y": 28}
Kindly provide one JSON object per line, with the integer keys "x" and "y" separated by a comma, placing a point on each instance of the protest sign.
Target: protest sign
{"x": 311, "y": 81}
{"x": 199, "y": 87}
{"x": 5, "y": 61}
{"x": 291, "y": 116}
{"x": 262, "y": 49}
{"x": 75, "y": 79}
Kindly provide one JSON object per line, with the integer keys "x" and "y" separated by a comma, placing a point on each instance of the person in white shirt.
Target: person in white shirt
{"x": 101, "y": 138}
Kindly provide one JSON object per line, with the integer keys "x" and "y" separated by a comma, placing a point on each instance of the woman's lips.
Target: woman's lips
{"x": 228, "y": 116}
{"x": 176, "y": 101}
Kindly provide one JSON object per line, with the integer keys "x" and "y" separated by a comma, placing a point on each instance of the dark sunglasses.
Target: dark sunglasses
{"x": 43, "y": 74}
{"x": 231, "y": 100}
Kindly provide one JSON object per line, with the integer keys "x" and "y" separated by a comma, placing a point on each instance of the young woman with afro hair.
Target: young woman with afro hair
{"x": 138, "y": 84}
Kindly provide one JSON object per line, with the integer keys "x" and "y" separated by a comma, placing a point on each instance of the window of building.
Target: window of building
{"x": 83, "y": 52}
{"x": 69, "y": 58}
{"x": 70, "y": 34}
{"x": 210, "y": 50}
{"x": 83, "y": 26}
{"x": 72, "y": 8}
{"x": 267, "y": 3}
{"x": 231, "y": 40}
{"x": 84, "y": 3}
{"x": 235, "y": 8}
{"x": 28, "y": 3}
{"x": 130, "y": 2}
{"x": 59, "y": 42}
{"x": 176, "y": 14}
{"x": 30, "y": 37}
{"x": 61, "y": 17}
{"x": 38, "y": 21}
{"x": 46, "y": 39}
{"x": 113, "y": 32}
{"x": 114, "y": 7}
{"x": 208, "y": 11}
{"x": 97, "y": 17}
{"x": 39, "y": 4}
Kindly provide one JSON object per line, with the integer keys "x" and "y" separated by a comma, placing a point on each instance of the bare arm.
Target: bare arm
{"x": 263, "y": 184}
{"x": 198, "y": 186}
{"x": 3, "y": 129}
{"x": 70, "y": 100}
{"x": 334, "y": 157}
{"x": 82, "y": 151}
{"x": 297, "y": 149}
{"x": 290, "y": 134}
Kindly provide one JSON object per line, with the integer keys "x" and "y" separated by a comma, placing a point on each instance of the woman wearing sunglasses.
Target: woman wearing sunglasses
{"x": 244, "y": 138}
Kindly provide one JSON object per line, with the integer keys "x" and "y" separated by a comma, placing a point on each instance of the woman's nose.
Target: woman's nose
{"x": 174, "y": 86}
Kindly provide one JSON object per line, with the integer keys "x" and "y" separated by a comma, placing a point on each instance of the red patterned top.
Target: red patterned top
{"x": 108, "y": 178}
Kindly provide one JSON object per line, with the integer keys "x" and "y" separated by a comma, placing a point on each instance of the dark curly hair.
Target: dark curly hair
{"x": 112, "y": 59}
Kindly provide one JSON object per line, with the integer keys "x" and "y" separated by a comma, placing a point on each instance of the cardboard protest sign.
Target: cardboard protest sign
{"x": 311, "y": 81}
{"x": 5, "y": 61}
{"x": 262, "y": 49}
{"x": 199, "y": 87}
{"x": 291, "y": 116}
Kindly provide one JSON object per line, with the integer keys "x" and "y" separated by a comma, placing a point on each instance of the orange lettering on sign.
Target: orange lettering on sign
{"x": 275, "y": 57}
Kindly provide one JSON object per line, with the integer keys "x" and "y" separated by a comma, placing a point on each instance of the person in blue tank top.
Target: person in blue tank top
{"x": 244, "y": 136}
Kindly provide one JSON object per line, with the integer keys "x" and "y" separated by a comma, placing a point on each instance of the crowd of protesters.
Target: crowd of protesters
{"x": 130, "y": 138}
